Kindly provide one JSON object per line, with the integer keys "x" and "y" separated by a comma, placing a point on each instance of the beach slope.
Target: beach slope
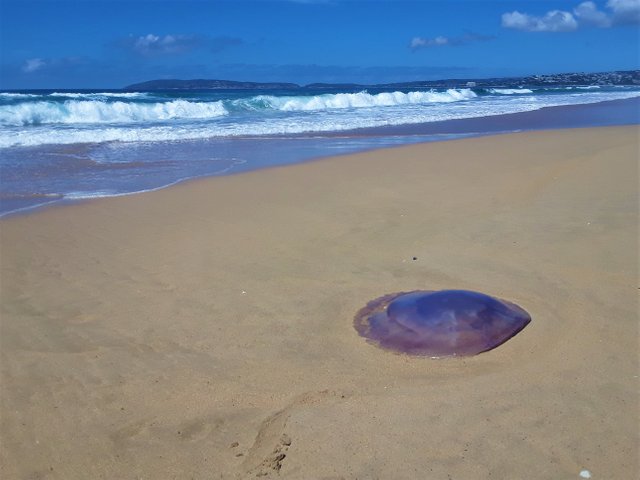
{"x": 206, "y": 330}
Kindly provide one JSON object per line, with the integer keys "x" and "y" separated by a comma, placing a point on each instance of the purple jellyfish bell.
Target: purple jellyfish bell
{"x": 440, "y": 324}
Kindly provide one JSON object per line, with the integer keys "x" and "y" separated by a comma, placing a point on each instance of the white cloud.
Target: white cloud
{"x": 625, "y": 12}
{"x": 587, "y": 13}
{"x": 420, "y": 42}
{"x": 33, "y": 64}
{"x": 440, "y": 41}
{"x": 553, "y": 21}
{"x": 150, "y": 44}
{"x": 174, "y": 44}
{"x": 167, "y": 44}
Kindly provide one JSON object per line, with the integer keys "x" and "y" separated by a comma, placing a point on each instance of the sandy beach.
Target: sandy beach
{"x": 205, "y": 330}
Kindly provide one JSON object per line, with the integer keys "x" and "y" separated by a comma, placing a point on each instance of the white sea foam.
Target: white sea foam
{"x": 99, "y": 95}
{"x": 90, "y": 112}
{"x": 510, "y": 91}
{"x": 84, "y": 195}
{"x": 11, "y": 95}
{"x": 357, "y": 100}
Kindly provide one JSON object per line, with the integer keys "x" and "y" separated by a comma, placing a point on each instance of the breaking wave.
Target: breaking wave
{"x": 90, "y": 108}
{"x": 353, "y": 100}
{"x": 11, "y": 95}
{"x": 99, "y": 95}
{"x": 95, "y": 111}
{"x": 509, "y": 91}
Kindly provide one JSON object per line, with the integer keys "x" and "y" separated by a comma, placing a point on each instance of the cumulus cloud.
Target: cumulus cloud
{"x": 586, "y": 14}
{"x": 625, "y": 12}
{"x": 440, "y": 41}
{"x": 151, "y": 44}
{"x": 33, "y": 64}
{"x": 553, "y": 21}
{"x": 174, "y": 44}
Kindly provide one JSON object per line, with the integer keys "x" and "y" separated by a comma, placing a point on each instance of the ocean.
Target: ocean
{"x": 61, "y": 146}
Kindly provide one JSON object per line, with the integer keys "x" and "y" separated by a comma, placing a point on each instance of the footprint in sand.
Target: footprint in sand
{"x": 274, "y": 461}
{"x": 263, "y": 458}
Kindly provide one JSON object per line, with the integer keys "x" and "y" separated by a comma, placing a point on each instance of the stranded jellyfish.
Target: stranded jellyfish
{"x": 440, "y": 324}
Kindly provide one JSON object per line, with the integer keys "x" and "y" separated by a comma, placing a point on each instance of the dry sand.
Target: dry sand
{"x": 205, "y": 331}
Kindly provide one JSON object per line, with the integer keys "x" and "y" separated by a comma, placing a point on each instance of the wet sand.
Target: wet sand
{"x": 206, "y": 330}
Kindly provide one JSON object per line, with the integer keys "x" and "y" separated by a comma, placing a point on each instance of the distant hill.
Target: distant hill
{"x": 627, "y": 77}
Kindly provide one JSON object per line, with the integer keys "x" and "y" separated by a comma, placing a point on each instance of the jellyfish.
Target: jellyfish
{"x": 440, "y": 323}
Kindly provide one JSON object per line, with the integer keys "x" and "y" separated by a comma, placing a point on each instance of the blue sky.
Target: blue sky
{"x": 109, "y": 44}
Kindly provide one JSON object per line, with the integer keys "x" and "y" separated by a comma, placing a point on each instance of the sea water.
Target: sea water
{"x": 68, "y": 145}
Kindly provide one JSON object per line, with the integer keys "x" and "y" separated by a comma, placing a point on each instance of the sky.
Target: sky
{"x": 111, "y": 44}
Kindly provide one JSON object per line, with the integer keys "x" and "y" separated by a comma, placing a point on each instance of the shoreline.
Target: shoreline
{"x": 606, "y": 113}
{"x": 207, "y": 329}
